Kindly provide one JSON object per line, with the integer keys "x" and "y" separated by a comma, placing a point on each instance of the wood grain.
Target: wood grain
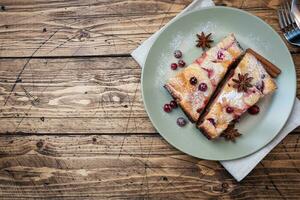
{"x": 75, "y": 95}
{"x": 72, "y": 120}
{"x": 95, "y": 28}
{"x": 76, "y": 87}
{"x": 134, "y": 167}
{"x": 249, "y": 4}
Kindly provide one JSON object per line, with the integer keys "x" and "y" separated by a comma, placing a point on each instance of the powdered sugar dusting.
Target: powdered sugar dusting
{"x": 236, "y": 98}
{"x": 196, "y": 99}
{"x": 176, "y": 41}
{"x": 162, "y": 73}
{"x": 255, "y": 39}
{"x": 190, "y": 39}
{"x": 255, "y": 68}
{"x": 165, "y": 60}
{"x": 208, "y": 27}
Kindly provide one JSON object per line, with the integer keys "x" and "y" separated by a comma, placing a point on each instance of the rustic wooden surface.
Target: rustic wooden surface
{"x": 72, "y": 121}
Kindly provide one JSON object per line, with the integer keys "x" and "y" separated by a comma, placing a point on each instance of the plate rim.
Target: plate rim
{"x": 275, "y": 34}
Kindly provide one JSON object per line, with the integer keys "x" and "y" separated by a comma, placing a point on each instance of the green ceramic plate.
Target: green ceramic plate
{"x": 250, "y": 32}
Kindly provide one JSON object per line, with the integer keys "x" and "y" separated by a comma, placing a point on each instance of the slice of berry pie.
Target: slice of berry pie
{"x": 193, "y": 86}
{"x": 248, "y": 83}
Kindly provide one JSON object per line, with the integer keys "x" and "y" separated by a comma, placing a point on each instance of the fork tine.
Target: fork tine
{"x": 288, "y": 4}
{"x": 289, "y": 14}
{"x": 286, "y": 11}
{"x": 280, "y": 20}
{"x": 283, "y": 18}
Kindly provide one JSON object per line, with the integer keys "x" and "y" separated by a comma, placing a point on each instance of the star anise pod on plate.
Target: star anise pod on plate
{"x": 204, "y": 40}
{"x": 231, "y": 133}
{"x": 243, "y": 83}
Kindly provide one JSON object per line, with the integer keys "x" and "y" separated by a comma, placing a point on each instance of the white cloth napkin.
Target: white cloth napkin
{"x": 238, "y": 168}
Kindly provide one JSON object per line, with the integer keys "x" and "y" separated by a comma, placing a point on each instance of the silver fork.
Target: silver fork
{"x": 287, "y": 23}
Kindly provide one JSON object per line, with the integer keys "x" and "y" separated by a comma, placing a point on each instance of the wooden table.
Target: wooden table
{"x": 72, "y": 120}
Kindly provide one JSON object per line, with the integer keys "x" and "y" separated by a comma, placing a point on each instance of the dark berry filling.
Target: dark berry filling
{"x": 212, "y": 121}
{"x": 220, "y": 55}
{"x": 229, "y": 109}
{"x": 202, "y": 87}
{"x": 209, "y": 72}
{"x": 261, "y": 87}
{"x": 193, "y": 80}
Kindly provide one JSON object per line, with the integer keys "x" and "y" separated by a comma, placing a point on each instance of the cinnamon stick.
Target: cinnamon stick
{"x": 272, "y": 69}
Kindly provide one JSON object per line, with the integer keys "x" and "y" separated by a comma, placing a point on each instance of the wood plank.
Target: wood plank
{"x": 75, "y": 95}
{"x": 77, "y": 28}
{"x": 96, "y": 95}
{"x": 249, "y": 4}
{"x": 81, "y": 87}
{"x": 80, "y": 27}
{"x": 135, "y": 167}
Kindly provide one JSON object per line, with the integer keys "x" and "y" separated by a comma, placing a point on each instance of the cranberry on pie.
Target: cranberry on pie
{"x": 250, "y": 82}
{"x": 194, "y": 85}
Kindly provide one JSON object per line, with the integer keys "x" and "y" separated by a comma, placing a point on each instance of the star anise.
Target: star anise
{"x": 243, "y": 83}
{"x": 204, "y": 40}
{"x": 231, "y": 133}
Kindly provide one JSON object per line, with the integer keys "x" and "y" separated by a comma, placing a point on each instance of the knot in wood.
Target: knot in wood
{"x": 40, "y": 144}
{"x": 225, "y": 185}
{"x": 83, "y": 35}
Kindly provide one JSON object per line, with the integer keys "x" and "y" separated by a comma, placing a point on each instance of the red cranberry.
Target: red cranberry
{"x": 181, "y": 121}
{"x": 202, "y": 87}
{"x": 174, "y": 66}
{"x": 253, "y": 110}
{"x": 199, "y": 110}
{"x": 212, "y": 121}
{"x": 209, "y": 72}
{"x": 220, "y": 55}
{"x": 177, "y": 54}
{"x": 173, "y": 104}
{"x": 229, "y": 109}
{"x": 193, "y": 80}
{"x": 261, "y": 86}
{"x": 167, "y": 108}
{"x": 181, "y": 63}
